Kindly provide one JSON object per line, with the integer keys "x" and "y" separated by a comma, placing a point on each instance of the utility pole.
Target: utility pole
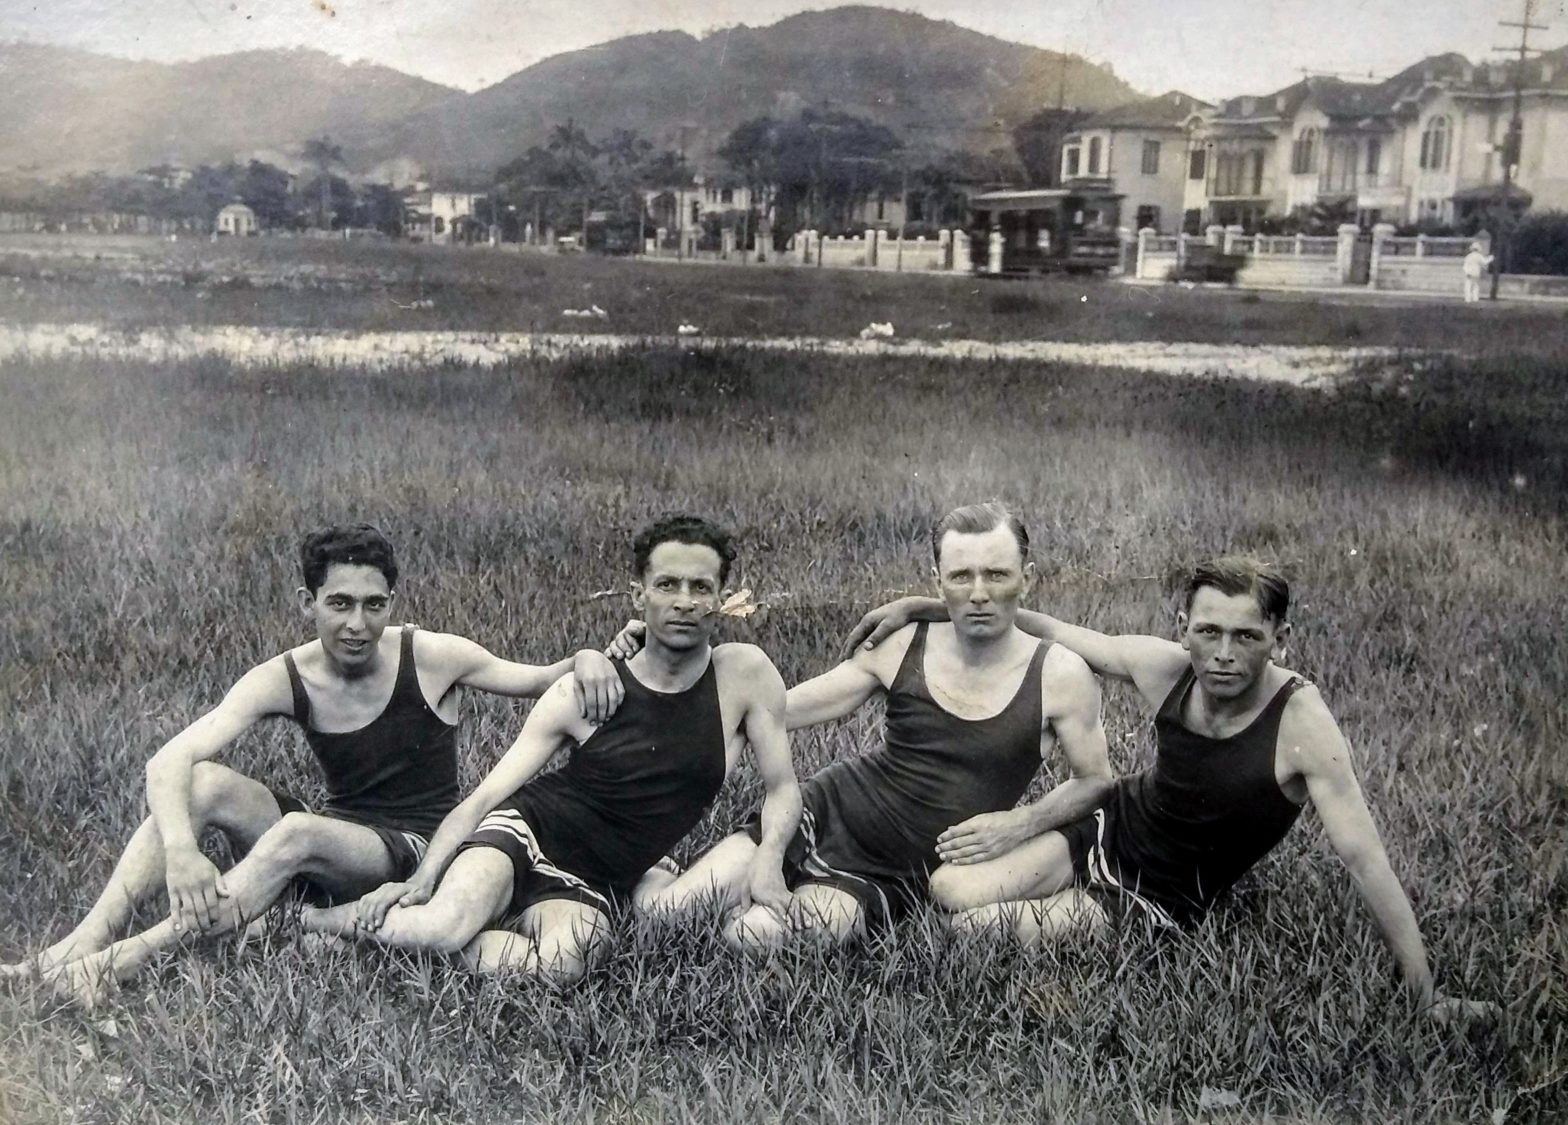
{"x": 1512, "y": 142}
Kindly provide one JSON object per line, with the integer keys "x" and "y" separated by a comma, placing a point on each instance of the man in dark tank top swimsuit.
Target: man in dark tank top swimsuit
{"x": 1241, "y": 745}
{"x": 972, "y": 707}
{"x": 561, "y": 852}
{"x": 378, "y": 709}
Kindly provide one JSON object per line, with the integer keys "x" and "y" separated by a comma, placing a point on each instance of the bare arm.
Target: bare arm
{"x": 193, "y": 882}
{"x": 781, "y": 805}
{"x": 1074, "y": 715}
{"x": 1314, "y": 747}
{"x": 595, "y": 683}
{"x": 1149, "y": 662}
{"x": 835, "y": 693}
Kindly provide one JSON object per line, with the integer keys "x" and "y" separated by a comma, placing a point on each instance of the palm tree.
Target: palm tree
{"x": 325, "y": 156}
{"x": 577, "y": 154}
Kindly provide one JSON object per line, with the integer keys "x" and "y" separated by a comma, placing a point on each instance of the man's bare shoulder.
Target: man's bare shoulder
{"x": 1064, "y": 667}
{"x": 1309, "y": 736}
{"x": 884, "y": 660}
{"x": 265, "y": 689}
{"x": 432, "y": 647}
{"x": 737, "y": 664}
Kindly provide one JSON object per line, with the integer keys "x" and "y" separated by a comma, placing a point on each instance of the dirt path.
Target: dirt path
{"x": 392, "y": 350}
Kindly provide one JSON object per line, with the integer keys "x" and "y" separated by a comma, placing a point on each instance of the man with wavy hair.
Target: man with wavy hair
{"x": 528, "y": 873}
{"x": 378, "y": 705}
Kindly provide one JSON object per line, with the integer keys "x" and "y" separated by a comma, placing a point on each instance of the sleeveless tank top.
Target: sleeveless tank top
{"x": 400, "y": 769}
{"x": 1206, "y": 811}
{"x": 635, "y": 787}
{"x": 879, "y": 814}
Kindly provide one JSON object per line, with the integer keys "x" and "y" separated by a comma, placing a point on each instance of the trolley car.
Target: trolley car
{"x": 1072, "y": 230}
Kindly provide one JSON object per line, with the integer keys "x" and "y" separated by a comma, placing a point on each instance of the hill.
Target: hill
{"x": 70, "y": 110}
{"x": 937, "y": 84}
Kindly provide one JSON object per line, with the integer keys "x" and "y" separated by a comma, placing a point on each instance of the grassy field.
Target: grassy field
{"x": 377, "y": 287}
{"x": 148, "y": 516}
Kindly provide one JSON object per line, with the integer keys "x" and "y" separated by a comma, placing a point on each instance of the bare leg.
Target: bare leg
{"x": 560, "y": 939}
{"x": 719, "y": 876}
{"x": 1071, "y": 913}
{"x": 336, "y": 853}
{"x": 1037, "y": 868}
{"x": 221, "y": 798}
{"x": 473, "y": 893}
{"x": 815, "y": 911}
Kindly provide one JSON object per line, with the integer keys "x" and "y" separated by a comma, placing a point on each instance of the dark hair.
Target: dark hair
{"x": 977, "y": 519}
{"x": 683, "y": 529}
{"x": 1240, "y": 574}
{"x": 357, "y": 544}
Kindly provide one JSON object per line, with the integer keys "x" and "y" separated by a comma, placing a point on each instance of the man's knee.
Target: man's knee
{"x": 226, "y": 799}
{"x": 292, "y": 843}
{"x": 949, "y": 890}
{"x": 757, "y": 930}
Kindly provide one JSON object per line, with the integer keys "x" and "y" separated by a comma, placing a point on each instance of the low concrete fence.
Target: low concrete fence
{"x": 878, "y": 249}
{"x": 1350, "y": 259}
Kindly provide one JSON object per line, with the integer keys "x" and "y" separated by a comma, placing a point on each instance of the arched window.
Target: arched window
{"x": 1436, "y": 140}
{"x": 1304, "y": 153}
{"x": 1094, "y": 156}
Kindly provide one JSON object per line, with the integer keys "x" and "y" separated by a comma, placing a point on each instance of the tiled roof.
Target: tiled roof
{"x": 1169, "y": 110}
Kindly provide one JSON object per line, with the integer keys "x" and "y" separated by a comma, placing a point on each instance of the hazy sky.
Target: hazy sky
{"x": 1206, "y": 47}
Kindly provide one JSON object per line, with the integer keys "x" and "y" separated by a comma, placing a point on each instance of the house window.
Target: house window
{"x": 1304, "y": 153}
{"x": 1094, "y": 156}
{"x": 1257, "y": 171}
{"x": 438, "y": 225}
{"x": 1148, "y": 216}
{"x": 1374, "y": 154}
{"x": 1435, "y": 143}
{"x": 1070, "y": 161}
{"x": 727, "y": 195}
{"x": 1195, "y": 164}
{"x": 696, "y": 212}
{"x": 1151, "y": 158}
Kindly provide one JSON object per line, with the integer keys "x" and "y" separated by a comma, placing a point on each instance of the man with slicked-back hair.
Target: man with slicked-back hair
{"x": 974, "y": 706}
{"x": 1242, "y": 744}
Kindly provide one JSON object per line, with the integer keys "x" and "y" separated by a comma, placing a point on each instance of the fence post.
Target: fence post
{"x": 1380, "y": 233}
{"x": 1143, "y": 249}
{"x": 1420, "y": 245}
{"x": 1232, "y": 232}
{"x": 1345, "y": 251}
{"x": 1216, "y": 235}
{"x": 944, "y": 240}
{"x": 1301, "y": 242}
{"x": 993, "y": 252}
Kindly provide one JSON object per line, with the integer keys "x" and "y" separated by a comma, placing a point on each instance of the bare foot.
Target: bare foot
{"x": 72, "y": 948}
{"x": 319, "y": 943}
{"x": 87, "y": 983}
{"x": 336, "y": 921}
{"x": 25, "y": 969}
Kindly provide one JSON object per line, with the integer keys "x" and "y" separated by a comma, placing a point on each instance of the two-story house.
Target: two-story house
{"x": 1138, "y": 150}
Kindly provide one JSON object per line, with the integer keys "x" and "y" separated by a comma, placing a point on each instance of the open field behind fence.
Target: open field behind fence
{"x": 148, "y": 514}
{"x": 303, "y": 283}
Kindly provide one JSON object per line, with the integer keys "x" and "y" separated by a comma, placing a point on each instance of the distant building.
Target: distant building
{"x": 442, "y": 217}
{"x": 1139, "y": 151}
{"x": 238, "y": 220}
{"x": 1424, "y": 145}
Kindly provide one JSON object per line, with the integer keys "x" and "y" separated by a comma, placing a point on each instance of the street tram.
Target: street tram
{"x": 1045, "y": 230}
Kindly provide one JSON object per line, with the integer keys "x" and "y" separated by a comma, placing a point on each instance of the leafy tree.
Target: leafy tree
{"x": 265, "y": 189}
{"x": 1037, "y": 144}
